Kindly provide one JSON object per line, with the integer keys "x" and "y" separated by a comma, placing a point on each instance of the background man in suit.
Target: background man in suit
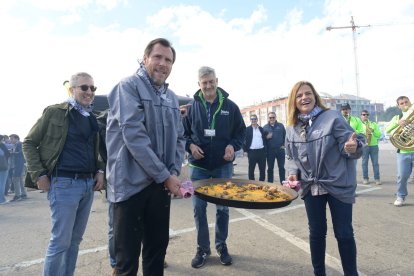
{"x": 255, "y": 147}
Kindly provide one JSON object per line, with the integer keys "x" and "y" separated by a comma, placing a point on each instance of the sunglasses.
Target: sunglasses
{"x": 365, "y": 114}
{"x": 85, "y": 87}
{"x": 253, "y": 119}
{"x": 272, "y": 117}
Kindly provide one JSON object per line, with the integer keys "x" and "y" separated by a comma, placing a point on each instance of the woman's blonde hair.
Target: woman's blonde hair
{"x": 292, "y": 110}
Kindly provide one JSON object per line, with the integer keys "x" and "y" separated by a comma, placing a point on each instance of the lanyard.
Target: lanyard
{"x": 221, "y": 99}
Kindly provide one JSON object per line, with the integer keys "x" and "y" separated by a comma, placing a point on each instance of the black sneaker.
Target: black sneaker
{"x": 225, "y": 258}
{"x": 200, "y": 258}
{"x": 15, "y": 198}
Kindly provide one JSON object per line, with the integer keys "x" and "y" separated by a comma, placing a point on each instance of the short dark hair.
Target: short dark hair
{"x": 164, "y": 42}
{"x": 364, "y": 110}
{"x": 15, "y": 136}
{"x": 401, "y": 98}
{"x": 345, "y": 106}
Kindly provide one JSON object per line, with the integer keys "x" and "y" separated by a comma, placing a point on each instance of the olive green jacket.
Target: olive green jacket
{"x": 44, "y": 143}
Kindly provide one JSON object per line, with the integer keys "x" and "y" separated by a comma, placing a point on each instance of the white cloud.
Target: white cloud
{"x": 58, "y": 5}
{"x": 70, "y": 19}
{"x": 109, "y": 4}
{"x": 247, "y": 25}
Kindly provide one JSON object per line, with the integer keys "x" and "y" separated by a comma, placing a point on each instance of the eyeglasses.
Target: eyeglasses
{"x": 253, "y": 119}
{"x": 364, "y": 114}
{"x": 85, "y": 87}
{"x": 272, "y": 117}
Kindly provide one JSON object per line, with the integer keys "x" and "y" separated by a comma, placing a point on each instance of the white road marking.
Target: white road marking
{"x": 285, "y": 209}
{"x": 368, "y": 190}
{"x": 331, "y": 261}
{"x": 299, "y": 243}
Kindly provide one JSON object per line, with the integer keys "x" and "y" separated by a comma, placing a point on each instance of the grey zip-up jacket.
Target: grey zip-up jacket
{"x": 320, "y": 157}
{"x": 144, "y": 138}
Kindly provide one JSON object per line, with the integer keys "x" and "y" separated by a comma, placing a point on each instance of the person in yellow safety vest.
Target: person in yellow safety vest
{"x": 372, "y": 134}
{"x": 355, "y": 122}
{"x": 405, "y": 157}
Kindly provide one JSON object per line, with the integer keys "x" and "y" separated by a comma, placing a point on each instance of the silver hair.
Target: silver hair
{"x": 205, "y": 70}
{"x": 74, "y": 79}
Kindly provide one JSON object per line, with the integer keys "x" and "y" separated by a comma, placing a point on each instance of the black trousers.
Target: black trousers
{"x": 257, "y": 156}
{"x": 143, "y": 218}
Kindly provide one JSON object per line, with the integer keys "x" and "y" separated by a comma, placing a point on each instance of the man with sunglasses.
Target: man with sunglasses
{"x": 145, "y": 146}
{"x": 62, "y": 156}
{"x": 275, "y": 146}
{"x": 254, "y": 145}
{"x": 372, "y": 133}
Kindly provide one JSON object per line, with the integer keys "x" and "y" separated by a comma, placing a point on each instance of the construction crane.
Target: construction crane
{"x": 353, "y": 27}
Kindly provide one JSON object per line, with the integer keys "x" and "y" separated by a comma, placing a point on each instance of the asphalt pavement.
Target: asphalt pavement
{"x": 261, "y": 242}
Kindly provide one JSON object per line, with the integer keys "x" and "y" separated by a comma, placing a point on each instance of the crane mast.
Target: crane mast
{"x": 353, "y": 27}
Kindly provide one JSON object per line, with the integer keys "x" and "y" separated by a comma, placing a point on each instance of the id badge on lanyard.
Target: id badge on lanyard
{"x": 209, "y": 132}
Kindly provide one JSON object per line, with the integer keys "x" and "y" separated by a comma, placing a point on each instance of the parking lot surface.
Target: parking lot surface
{"x": 261, "y": 242}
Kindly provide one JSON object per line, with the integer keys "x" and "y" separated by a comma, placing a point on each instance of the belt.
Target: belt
{"x": 257, "y": 149}
{"x": 74, "y": 175}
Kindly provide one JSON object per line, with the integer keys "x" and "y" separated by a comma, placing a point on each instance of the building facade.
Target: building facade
{"x": 279, "y": 106}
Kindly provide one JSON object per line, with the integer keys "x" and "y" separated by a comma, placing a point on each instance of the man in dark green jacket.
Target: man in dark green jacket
{"x": 61, "y": 151}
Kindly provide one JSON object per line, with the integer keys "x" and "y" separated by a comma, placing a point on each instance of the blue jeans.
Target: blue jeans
{"x": 279, "y": 155}
{"x": 70, "y": 202}
{"x": 3, "y": 180}
{"x": 367, "y": 152}
{"x": 405, "y": 163}
{"x": 200, "y": 209}
{"x": 341, "y": 214}
{"x": 111, "y": 247}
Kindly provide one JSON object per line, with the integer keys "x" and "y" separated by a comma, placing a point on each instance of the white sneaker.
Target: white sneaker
{"x": 399, "y": 202}
{"x": 377, "y": 182}
{"x": 365, "y": 181}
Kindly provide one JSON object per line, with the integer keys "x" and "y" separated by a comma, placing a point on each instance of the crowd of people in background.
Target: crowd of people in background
{"x": 12, "y": 169}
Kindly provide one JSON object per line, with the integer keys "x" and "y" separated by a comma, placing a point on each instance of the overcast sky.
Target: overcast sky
{"x": 258, "y": 48}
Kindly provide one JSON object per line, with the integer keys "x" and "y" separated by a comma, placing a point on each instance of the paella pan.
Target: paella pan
{"x": 243, "y": 193}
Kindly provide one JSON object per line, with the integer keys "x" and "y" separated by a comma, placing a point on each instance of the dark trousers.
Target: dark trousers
{"x": 279, "y": 155}
{"x": 341, "y": 214}
{"x": 143, "y": 218}
{"x": 257, "y": 156}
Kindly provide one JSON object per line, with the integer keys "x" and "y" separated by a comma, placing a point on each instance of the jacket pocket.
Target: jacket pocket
{"x": 55, "y": 129}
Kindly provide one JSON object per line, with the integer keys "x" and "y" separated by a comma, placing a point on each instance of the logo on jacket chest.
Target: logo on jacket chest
{"x": 224, "y": 112}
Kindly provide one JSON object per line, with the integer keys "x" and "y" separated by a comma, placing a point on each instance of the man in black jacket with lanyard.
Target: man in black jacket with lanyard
{"x": 214, "y": 130}
{"x": 255, "y": 148}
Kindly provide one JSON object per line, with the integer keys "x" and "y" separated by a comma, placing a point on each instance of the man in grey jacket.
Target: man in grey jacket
{"x": 145, "y": 147}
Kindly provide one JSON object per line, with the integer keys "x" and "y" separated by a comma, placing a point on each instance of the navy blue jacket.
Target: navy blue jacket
{"x": 278, "y": 138}
{"x": 229, "y": 130}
